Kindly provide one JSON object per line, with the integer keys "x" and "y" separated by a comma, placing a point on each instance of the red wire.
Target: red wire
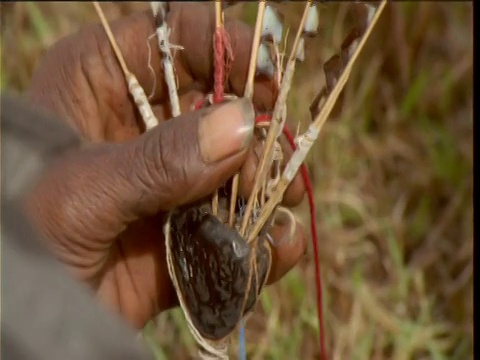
{"x": 313, "y": 228}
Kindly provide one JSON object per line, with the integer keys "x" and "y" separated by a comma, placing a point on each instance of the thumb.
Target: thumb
{"x": 186, "y": 158}
{"x": 98, "y": 191}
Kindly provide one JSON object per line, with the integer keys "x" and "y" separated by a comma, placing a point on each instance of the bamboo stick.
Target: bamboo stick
{"x": 248, "y": 93}
{"x": 134, "y": 87}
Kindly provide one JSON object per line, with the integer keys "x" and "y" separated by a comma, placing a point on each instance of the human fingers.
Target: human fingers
{"x": 93, "y": 194}
{"x": 287, "y": 249}
{"x": 295, "y": 191}
{"x": 192, "y": 29}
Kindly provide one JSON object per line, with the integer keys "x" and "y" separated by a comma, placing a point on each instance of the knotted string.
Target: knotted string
{"x": 222, "y": 60}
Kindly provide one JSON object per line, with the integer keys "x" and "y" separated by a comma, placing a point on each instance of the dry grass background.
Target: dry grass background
{"x": 393, "y": 177}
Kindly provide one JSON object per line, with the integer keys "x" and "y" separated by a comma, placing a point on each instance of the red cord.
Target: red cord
{"x": 313, "y": 228}
{"x": 222, "y": 60}
{"x": 219, "y": 65}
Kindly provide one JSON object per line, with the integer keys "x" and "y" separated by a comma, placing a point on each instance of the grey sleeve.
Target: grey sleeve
{"x": 45, "y": 314}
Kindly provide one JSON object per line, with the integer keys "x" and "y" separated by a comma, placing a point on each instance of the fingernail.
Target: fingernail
{"x": 226, "y": 130}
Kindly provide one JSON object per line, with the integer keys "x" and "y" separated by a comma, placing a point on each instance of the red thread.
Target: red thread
{"x": 313, "y": 229}
{"x": 219, "y": 65}
{"x": 222, "y": 60}
{"x": 229, "y": 54}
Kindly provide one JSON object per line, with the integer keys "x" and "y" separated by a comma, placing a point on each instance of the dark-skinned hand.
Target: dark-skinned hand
{"x": 102, "y": 207}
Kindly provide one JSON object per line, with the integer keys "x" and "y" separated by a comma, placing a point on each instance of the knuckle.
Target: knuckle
{"x": 165, "y": 160}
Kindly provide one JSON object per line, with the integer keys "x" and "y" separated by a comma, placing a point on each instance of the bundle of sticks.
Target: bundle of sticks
{"x": 224, "y": 238}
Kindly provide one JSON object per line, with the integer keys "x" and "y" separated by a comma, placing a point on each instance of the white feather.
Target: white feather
{"x": 371, "y": 11}
{"x": 272, "y": 25}
{"x": 311, "y": 23}
{"x": 264, "y": 62}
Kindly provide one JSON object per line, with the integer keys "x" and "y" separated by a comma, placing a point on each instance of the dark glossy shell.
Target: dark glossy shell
{"x": 212, "y": 266}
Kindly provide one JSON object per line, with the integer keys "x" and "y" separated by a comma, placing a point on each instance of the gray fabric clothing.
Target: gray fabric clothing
{"x": 45, "y": 314}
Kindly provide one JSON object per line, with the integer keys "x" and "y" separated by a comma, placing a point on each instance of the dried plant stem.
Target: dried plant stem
{"x": 165, "y": 47}
{"x": 278, "y": 62}
{"x": 134, "y": 87}
{"x": 111, "y": 38}
{"x": 248, "y": 93}
{"x": 306, "y": 140}
{"x": 215, "y": 203}
{"x": 233, "y": 199}
{"x": 159, "y": 10}
{"x": 278, "y": 119}
{"x": 284, "y": 49}
{"x": 218, "y": 14}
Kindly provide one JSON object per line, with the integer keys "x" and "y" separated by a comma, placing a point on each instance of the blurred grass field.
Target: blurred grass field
{"x": 393, "y": 179}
